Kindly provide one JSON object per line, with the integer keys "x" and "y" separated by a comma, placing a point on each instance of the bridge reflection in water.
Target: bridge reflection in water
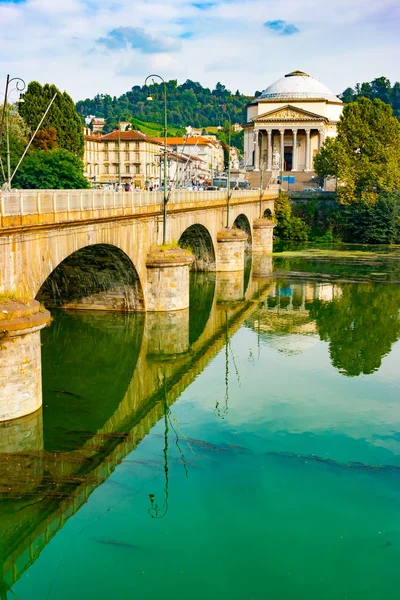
{"x": 108, "y": 378}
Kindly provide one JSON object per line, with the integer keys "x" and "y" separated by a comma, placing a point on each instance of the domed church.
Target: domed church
{"x": 287, "y": 124}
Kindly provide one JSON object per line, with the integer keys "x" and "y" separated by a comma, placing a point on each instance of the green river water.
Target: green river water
{"x": 248, "y": 450}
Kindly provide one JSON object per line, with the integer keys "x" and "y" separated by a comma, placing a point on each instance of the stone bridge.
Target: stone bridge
{"x": 101, "y": 250}
{"x": 43, "y": 487}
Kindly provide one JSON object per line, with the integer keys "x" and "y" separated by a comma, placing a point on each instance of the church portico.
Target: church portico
{"x": 296, "y": 147}
{"x": 288, "y": 123}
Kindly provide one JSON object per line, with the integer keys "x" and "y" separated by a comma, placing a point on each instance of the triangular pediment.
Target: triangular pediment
{"x": 288, "y": 113}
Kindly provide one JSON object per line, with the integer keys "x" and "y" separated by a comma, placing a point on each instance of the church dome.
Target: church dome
{"x": 298, "y": 86}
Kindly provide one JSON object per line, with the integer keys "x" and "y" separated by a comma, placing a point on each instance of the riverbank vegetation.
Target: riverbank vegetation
{"x": 364, "y": 159}
{"x": 328, "y": 221}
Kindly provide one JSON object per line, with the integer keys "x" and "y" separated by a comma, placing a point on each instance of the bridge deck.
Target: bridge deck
{"x": 24, "y": 208}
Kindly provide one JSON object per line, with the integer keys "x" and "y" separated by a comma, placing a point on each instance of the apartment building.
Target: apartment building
{"x": 126, "y": 156}
{"x": 206, "y": 148}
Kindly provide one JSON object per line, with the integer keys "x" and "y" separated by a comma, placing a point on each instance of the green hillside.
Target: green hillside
{"x": 188, "y": 104}
{"x": 154, "y": 129}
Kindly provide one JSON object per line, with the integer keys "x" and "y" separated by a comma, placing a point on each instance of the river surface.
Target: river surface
{"x": 245, "y": 450}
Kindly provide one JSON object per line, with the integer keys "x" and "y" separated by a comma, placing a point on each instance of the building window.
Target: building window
{"x": 126, "y": 155}
{"x": 137, "y": 169}
{"x": 105, "y": 145}
{"x": 106, "y": 169}
{"x": 127, "y": 169}
{"x": 126, "y": 145}
{"x": 106, "y": 156}
{"x": 137, "y": 156}
{"x": 136, "y": 145}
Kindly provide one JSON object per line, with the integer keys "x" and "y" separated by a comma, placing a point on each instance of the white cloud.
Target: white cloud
{"x": 340, "y": 42}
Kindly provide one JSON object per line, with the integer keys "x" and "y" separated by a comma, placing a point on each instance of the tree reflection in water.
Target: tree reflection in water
{"x": 360, "y": 326}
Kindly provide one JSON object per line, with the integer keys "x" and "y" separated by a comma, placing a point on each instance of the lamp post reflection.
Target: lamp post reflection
{"x": 223, "y": 411}
{"x": 156, "y": 511}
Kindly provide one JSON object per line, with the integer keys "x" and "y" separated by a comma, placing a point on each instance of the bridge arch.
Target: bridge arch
{"x": 199, "y": 240}
{"x": 98, "y": 276}
{"x": 242, "y": 222}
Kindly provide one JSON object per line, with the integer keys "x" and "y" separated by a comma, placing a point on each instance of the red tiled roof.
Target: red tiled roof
{"x": 128, "y": 136}
{"x": 197, "y": 140}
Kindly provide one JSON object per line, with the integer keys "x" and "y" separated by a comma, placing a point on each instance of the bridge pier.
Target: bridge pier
{"x": 168, "y": 279}
{"x": 230, "y": 250}
{"x": 20, "y": 358}
{"x": 263, "y": 236}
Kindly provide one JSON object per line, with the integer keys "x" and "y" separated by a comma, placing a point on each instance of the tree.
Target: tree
{"x": 365, "y": 155}
{"x": 56, "y": 169}
{"x": 45, "y": 139}
{"x": 374, "y": 223}
{"x": 18, "y": 139}
{"x": 288, "y": 227}
{"x": 379, "y": 88}
{"x": 62, "y": 115}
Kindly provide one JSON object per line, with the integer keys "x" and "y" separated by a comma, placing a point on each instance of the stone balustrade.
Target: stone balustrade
{"x": 33, "y": 207}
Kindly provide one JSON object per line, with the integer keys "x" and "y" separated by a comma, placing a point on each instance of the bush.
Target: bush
{"x": 289, "y": 227}
{"x": 56, "y": 169}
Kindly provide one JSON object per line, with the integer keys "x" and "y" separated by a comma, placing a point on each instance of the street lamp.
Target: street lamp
{"x": 20, "y": 85}
{"x": 228, "y": 199}
{"x": 150, "y": 99}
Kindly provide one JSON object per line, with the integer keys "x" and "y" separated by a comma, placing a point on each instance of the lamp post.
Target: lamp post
{"x": 149, "y": 98}
{"x": 257, "y": 141}
{"x": 228, "y": 199}
{"x": 19, "y": 86}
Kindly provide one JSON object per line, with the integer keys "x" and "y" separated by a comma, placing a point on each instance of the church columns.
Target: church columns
{"x": 256, "y": 150}
{"x": 308, "y": 149}
{"x": 321, "y": 138}
{"x": 282, "y": 149}
{"x": 295, "y": 153}
{"x": 271, "y": 140}
{"x": 269, "y": 150}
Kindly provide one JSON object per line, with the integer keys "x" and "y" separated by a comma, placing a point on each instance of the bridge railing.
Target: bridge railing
{"x": 42, "y": 202}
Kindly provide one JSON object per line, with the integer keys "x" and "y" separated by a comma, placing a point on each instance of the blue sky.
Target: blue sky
{"x": 99, "y": 46}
